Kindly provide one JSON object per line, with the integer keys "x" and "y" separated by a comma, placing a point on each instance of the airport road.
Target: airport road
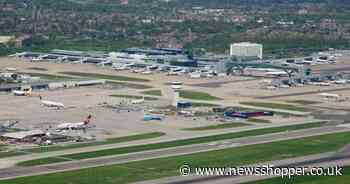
{"x": 79, "y": 164}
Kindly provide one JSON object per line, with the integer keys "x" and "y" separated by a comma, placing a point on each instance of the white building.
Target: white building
{"x": 246, "y": 49}
{"x": 23, "y": 135}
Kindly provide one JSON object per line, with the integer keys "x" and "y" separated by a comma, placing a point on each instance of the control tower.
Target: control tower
{"x": 176, "y": 86}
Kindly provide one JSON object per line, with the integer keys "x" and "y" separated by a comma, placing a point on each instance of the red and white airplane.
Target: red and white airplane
{"x": 74, "y": 126}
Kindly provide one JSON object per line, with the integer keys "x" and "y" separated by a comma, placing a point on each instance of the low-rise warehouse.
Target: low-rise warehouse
{"x": 23, "y": 136}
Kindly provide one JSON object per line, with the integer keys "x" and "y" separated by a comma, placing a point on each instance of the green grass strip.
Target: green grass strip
{"x": 219, "y": 126}
{"x": 96, "y": 143}
{"x": 169, "y": 166}
{"x": 169, "y": 144}
{"x": 196, "y": 95}
{"x": 255, "y": 120}
{"x": 303, "y": 102}
{"x": 153, "y": 92}
{"x": 199, "y": 104}
{"x": 37, "y": 68}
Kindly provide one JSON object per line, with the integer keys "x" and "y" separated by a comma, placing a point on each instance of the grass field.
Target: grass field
{"x": 4, "y": 154}
{"x": 104, "y": 142}
{"x": 214, "y": 127}
{"x": 152, "y": 92}
{"x": 130, "y": 85}
{"x": 277, "y": 106}
{"x": 195, "y": 95}
{"x": 197, "y": 104}
{"x": 107, "y": 77}
{"x": 37, "y": 68}
{"x": 134, "y": 97}
{"x": 50, "y": 77}
{"x": 164, "y": 167}
{"x": 169, "y": 144}
{"x": 303, "y": 102}
{"x": 254, "y": 120}
{"x": 345, "y": 178}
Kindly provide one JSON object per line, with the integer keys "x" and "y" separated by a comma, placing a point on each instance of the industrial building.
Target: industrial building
{"x": 51, "y": 85}
{"x": 246, "y": 49}
{"x": 166, "y": 56}
{"x": 154, "y": 51}
{"x": 23, "y": 136}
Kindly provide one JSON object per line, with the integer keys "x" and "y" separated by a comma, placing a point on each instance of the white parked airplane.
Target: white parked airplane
{"x": 138, "y": 70}
{"x": 276, "y": 73}
{"x": 271, "y": 87}
{"x": 128, "y": 65}
{"x": 121, "y": 68}
{"x": 329, "y": 95}
{"x": 320, "y": 83}
{"x": 138, "y": 101}
{"x": 51, "y": 103}
{"x": 36, "y": 59}
{"x": 17, "y": 54}
{"x": 7, "y": 125}
{"x": 74, "y": 126}
{"x": 11, "y": 69}
{"x": 305, "y": 62}
{"x": 195, "y": 75}
{"x": 171, "y": 73}
{"x": 152, "y": 67}
{"x": 342, "y": 81}
{"x": 147, "y": 72}
{"x": 284, "y": 86}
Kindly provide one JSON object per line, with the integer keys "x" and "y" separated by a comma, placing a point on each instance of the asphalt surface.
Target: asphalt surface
{"x": 333, "y": 70}
{"x": 303, "y": 93}
{"x": 340, "y": 158}
{"x": 219, "y": 84}
{"x": 79, "y": 164}
{"x": 324, "y": 161}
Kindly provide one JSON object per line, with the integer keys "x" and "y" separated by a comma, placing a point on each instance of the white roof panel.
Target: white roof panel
{"x": 23, "y": 134}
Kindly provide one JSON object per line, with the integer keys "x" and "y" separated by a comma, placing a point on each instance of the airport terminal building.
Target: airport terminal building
{"x": 246, "y": 49}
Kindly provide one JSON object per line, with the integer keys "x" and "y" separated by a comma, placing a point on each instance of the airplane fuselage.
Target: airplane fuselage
{"x": 52, "y": 104}
{"x": 74, "y": 126}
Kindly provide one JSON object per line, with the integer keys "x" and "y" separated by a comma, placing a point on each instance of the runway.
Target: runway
{"x": 303, "y": 93}
{"x": 14, "y": 172}
{"x": 323, "y": 160}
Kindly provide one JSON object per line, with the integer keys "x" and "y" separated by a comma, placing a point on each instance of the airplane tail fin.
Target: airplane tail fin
{"x": 30, "y": 91}
{"x": 88, "y": 119}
